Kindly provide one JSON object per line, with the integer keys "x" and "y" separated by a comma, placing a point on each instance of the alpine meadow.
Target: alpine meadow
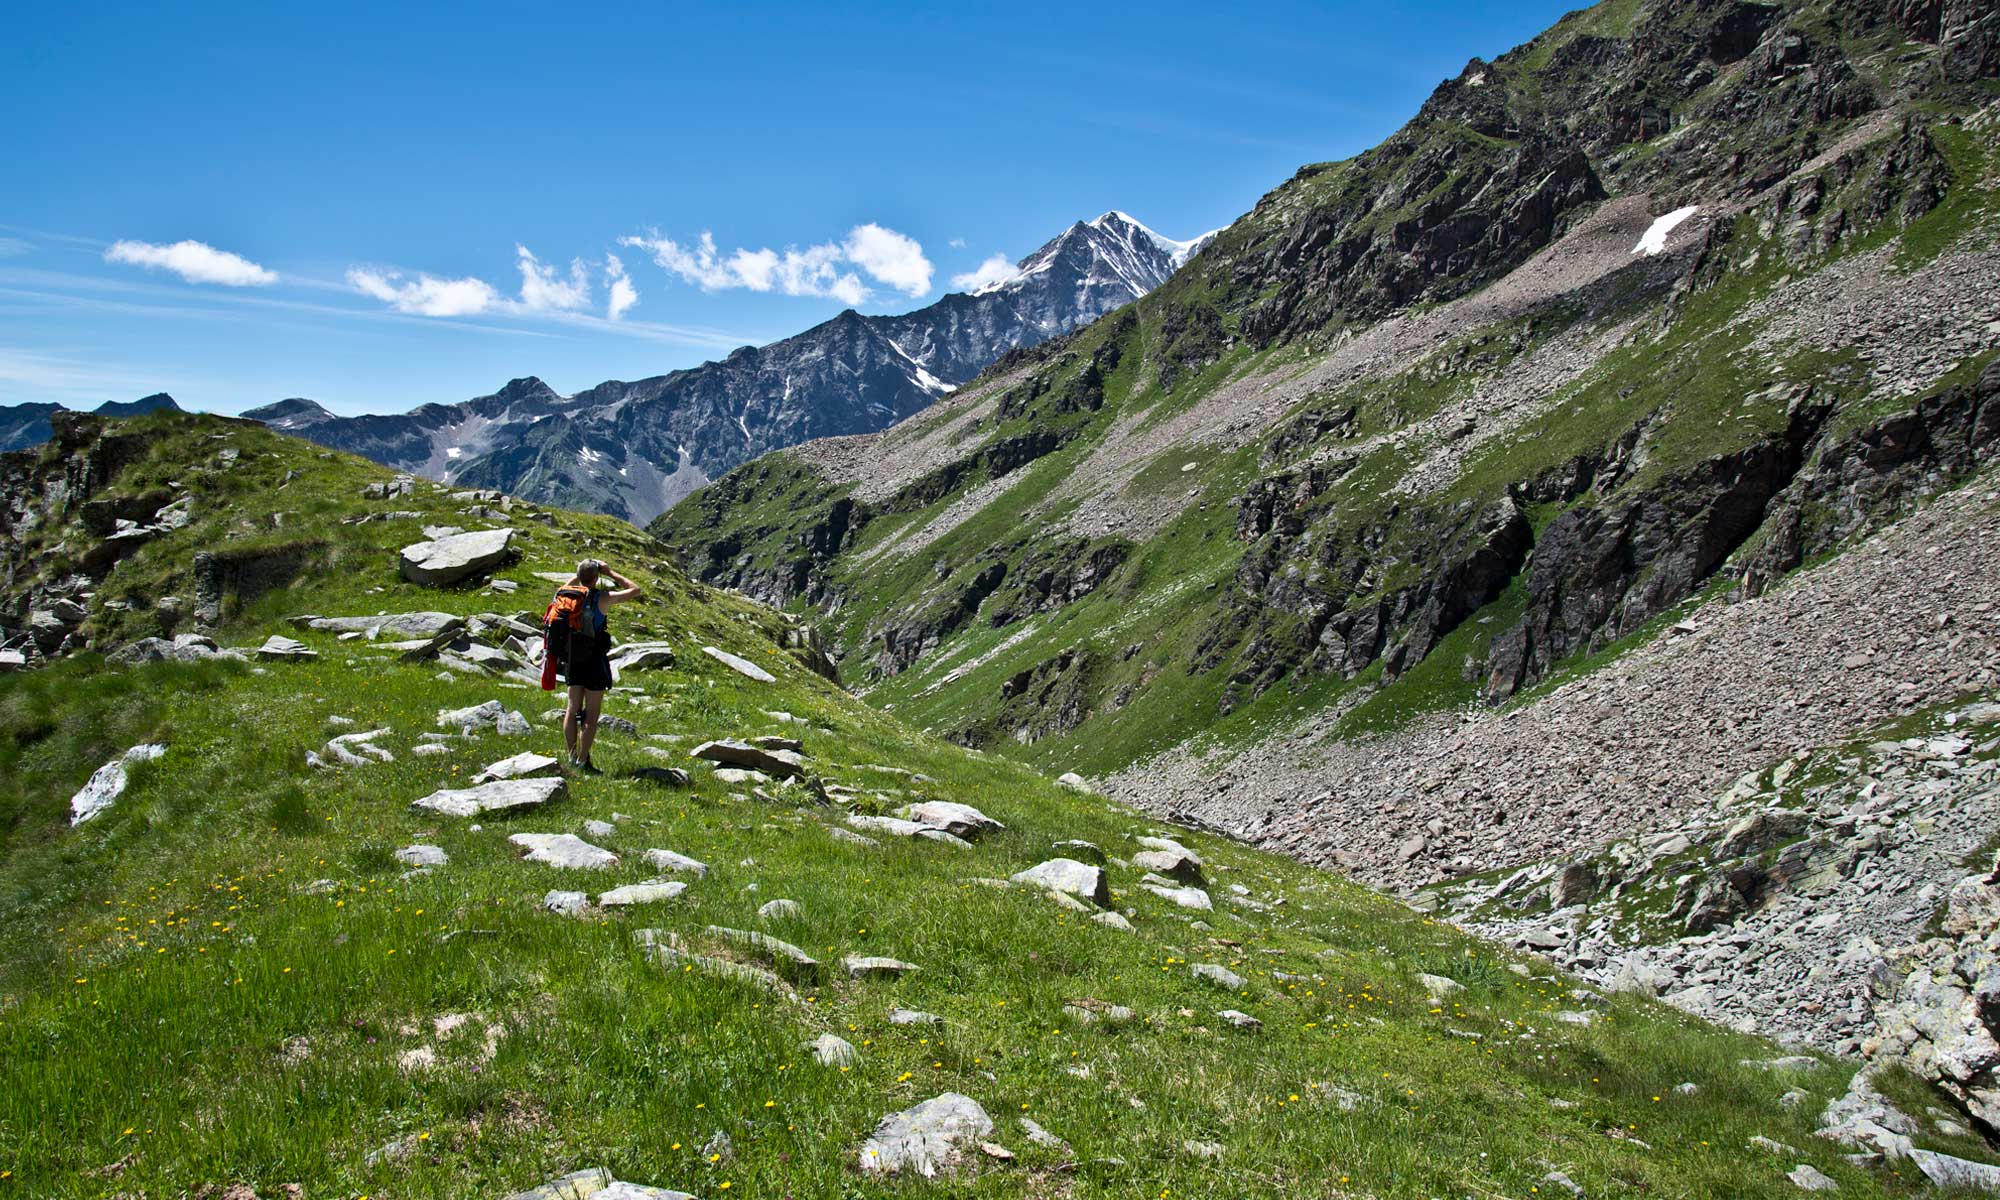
{"x": 1479, "y": 677}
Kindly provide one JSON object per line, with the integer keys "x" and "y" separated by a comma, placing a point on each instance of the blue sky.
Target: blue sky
{"x": 362, "y": 185}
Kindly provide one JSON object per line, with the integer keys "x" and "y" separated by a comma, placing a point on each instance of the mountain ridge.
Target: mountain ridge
{"x": 635, "y": 448}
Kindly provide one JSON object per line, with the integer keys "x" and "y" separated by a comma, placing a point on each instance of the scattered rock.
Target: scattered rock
{"x": 910, "y": 1016}
{"x": 642, "y": 656}
{"x": 668, "y": 860}
{"x": 565, "y": 850}
{"x": 1186, "y": 897}
{"x": 781, "y": 763}
{"x": 1199, "y": 1149}
{"x": 107, "y": 783}
{"x": 1176, "y": 865}
{"x": 927, "y": 1138}
{"x": 1240, "y": 1019}
{"x": 1114, "y": 920}
{"x": 640, "y": 893}
{"x": 741, "y": 666}
{"x": 1218, "y": 974}
{"x": 959, "y": 820}
{"x": 1440, "y": 988}
{"x": 791, "y": 962}
{"x": 497, "y": 798}
{"x": 1069, "y": 876}
{"x": 422, "y": 856}
{"x": 779, "y": 910}
{"x": 525, "y": 765}
{"x": 1075, "y": 782}
{"x": 1808, "y": 1178}
{"x": 567, "y": 904}
{"x": 831, "y": 1051}
{"x": 860, "y": 966}
{"x": 1946, "y": 1171}
{"x": 280, "y": 648}
{"x": 447, "y": 560}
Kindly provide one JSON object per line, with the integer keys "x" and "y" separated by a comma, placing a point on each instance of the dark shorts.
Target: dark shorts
{"x": 589, "y": 664}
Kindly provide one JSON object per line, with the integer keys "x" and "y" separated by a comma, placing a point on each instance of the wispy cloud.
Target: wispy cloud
{"x": 11, "y": 247}
{"x": 426, "y": 296}
{"x": 196, "y": 262}
{"x": 996, "y": 269}
{"x": 623, "y": 295}
{"x": 542, "y": 290}
{"x": 55, "y": 378}
{"x": 831, "y": 269}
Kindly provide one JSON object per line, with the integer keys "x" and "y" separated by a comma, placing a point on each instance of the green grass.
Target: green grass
{"x": 180, "y": 1009}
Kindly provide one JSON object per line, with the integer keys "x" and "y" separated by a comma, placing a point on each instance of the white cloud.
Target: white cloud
{"x": 889, "y": 257}
{"x": 995, "y": 270}
{"x": 956, "y": 243}
{"x": 193, "y": 261}
{"x": 426, "y": 296}
{"x": 542, "y": 290}
{"x": 10, "y": 247}
{"x": 884, "y": 255}
{"x": 623, "y": 294}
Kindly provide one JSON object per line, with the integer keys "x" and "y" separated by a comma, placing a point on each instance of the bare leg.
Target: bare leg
{"x": 593, "y": 702}
{"x": 573, "y": 721}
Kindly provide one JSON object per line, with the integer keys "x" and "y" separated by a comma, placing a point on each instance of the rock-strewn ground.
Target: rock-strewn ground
{"x": 1909, "y": 619}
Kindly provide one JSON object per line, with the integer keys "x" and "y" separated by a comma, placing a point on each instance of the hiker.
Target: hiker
{"x": 578, "y": 644}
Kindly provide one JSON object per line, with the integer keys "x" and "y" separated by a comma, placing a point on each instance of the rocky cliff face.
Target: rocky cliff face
{"x": 635, "y": 449}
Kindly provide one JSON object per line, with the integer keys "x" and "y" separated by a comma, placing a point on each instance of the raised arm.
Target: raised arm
{"x": 626, "y": 590}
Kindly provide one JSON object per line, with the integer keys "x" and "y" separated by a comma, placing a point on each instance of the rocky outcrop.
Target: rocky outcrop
{"x": 1859, "y": 481}
{"x": 1938, "y": 1001}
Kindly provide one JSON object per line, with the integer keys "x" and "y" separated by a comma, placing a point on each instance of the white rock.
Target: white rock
{"x": 667, "y": 860}
{"x": 107, "y": 783}
{"x": 501, "y": 796}
{"x": 961, "y": 820}
{"x": 925, "y": 1139}
{"x": 525, "y": 765}
{"x": 564, "y": 850}
{"x": 640, "y": 893}
{"x": 1186, "y": 897}
{"x": 741, "y": 666}
{"x": 831, "y": 1051}
{"x": 1070, "y": 876}
{"x": 423, "y": 856}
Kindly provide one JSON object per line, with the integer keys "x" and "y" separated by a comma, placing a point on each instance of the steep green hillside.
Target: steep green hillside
{"x": 1424, "y": 429}
{"x": 228, "y": 980}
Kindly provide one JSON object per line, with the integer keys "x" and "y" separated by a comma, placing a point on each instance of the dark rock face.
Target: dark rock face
{"x": 1861, "y": 480}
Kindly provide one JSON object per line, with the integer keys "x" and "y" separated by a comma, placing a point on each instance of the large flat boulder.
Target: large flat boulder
{"x": 443, "y": 561}
{"x": 525, "y": 765}
{"x": 742, "y": 666}
{"x": 959, "y": 820}
{"x": 564, "y": 850}
{"x": 402, "y": 625}
{"x": 642, "y": 656}
{"x": 783, "y": 763}
{"x": 1070, "y": 877}
{"x": 495, "y": 798}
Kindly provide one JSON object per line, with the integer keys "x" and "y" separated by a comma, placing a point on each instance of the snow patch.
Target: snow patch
{"x": 1654, "y": 241}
